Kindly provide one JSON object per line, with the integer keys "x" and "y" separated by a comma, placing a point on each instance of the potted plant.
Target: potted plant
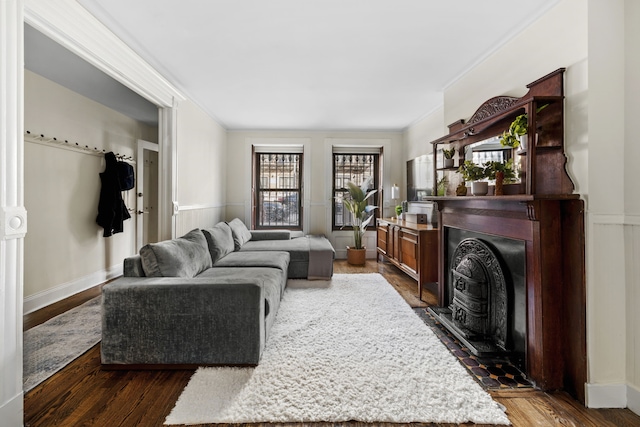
{"x": 502, "y": 173}
{"x": 356, "y": 203}
{"x": 398, "y": 211}
{"x": 474, "y": 173}
{"x": 516, "y": 135}
{"x": 441, "y": 186}
{"x": 518, "y": 128}
{"x": 448, "y": 157}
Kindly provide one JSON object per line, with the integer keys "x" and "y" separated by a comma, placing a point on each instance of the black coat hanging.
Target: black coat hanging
{"x": 112, "y": 211}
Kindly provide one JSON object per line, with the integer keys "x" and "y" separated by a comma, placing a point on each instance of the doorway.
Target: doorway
{"x": 148, "y": 224}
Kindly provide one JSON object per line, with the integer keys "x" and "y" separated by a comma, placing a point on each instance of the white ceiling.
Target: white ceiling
{"x": 315, "y": 64}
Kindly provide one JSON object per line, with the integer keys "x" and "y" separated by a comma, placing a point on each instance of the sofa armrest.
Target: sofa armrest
{"x": 133, "y": 267}
{"x": 171, "y": 320}
{"x": 270, "y": 235}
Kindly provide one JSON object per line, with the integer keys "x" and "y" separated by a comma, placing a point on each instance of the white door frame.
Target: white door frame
{"x": 13, "y": 216}
{"x": 150, "y": 146}
{"x": 69, "y": 24}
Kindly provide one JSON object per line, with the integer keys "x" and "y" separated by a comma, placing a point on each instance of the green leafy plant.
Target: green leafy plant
{"x": 506, "y": 168}
{"x": 448, "y": 154}
{"x": 517, "y": 128}
{"x": 398, "y": 210}
{"x": 471, "y": 171}
{"x": 356, "y": 203}
{"x": 441, "y": 186}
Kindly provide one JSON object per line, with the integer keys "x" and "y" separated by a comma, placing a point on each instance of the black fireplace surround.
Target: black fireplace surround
{"x": 489, "y": 318}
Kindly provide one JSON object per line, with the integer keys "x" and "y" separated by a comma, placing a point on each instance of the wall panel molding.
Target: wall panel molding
{"x": 614, "y": 219}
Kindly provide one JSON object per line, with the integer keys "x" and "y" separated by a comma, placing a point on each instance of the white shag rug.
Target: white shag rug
{"x": 346, "y": 349}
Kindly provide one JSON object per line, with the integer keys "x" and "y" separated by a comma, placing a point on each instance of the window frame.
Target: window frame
{"x": 259, "y": 190}
{"x": 375, "y": 199}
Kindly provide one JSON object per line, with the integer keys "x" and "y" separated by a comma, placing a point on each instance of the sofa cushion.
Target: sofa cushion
{"x": 241, "y": 234}
{"x": 219, "y": 240}
{"x": 270, "y": 235}
{"x": 298, "y": 248}
{"x": 186, "y": 256}
{"x": 273, "y": 259}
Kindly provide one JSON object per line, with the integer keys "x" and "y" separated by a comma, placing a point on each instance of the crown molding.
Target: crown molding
{"x": 72, "y": 26}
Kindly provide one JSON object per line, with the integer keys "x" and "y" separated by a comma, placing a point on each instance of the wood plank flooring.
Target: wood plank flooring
{"x": 82, "y": 394}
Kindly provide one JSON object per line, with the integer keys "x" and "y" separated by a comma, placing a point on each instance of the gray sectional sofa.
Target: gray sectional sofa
{"x": 207, "y": 298}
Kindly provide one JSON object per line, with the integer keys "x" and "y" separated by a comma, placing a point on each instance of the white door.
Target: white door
{"x": 147, "y": 194}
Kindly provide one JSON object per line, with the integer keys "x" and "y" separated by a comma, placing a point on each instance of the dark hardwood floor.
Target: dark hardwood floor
{"x": 82, "y": 394}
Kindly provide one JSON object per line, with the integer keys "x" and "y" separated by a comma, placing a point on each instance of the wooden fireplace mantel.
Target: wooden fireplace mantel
{"x": 547, "y": 217}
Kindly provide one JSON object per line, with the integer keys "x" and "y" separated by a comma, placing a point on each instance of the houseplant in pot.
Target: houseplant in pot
{"x": 356, "y": 203}
{"x": 502, "y": 173}
{"x": 474, "y": 173}
{"x": 448, "y": 157}
{"x": 516, "y": 135}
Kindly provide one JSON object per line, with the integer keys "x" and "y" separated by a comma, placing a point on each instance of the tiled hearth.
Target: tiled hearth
{"x": 490, "y": 373}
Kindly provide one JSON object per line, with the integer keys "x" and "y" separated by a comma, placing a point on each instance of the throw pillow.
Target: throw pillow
{"x": 186, "y": 256}
{"x": 220, "y": 241}
{"x": 241, "y": 234}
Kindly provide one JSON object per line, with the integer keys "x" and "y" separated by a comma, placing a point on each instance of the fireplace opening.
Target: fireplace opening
{"x": 485, "y": 286}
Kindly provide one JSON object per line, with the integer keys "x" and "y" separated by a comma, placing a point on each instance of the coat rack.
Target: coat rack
{"x": 65, "y": 144}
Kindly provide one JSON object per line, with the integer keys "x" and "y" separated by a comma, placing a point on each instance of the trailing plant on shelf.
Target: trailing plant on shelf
{"x": 510, "y": 137}
{"x": 517, "y": 128}
{"x": 356, "y": 203}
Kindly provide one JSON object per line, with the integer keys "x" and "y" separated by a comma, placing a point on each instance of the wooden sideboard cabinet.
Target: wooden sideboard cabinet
{"x": 413, "y": 248}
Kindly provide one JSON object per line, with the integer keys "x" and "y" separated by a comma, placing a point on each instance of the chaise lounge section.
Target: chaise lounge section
{"x": 205, "y": 298}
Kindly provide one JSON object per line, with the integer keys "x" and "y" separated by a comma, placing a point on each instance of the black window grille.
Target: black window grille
{"x": 356, "y": 168}
{"x": 279, "y": 190}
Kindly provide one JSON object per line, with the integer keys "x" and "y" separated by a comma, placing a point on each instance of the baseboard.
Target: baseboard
{"x": 12, "y": 412}
{"x": 606, "y": 395}
{"x": 633, "y": 399}
{"x": 60, "y": 292}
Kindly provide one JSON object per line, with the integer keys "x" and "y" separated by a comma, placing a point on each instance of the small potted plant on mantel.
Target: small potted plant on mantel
{"x": 475, "y": 173}
{"x": 502, "y": 173}
{"x": 356, "y": 203}
{"x": 448, "y": 157}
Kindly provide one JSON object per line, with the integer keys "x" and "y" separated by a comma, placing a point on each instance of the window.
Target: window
{"x": 279, "y": 190}
{"x": 356, "y": 168}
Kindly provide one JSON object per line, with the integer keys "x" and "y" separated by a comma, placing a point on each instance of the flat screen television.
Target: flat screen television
{"x": 420, "y": 178}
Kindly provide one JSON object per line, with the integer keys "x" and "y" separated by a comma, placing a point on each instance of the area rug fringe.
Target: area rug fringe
{"x": 54, "y": 344}
{"x": 347, "y": 349}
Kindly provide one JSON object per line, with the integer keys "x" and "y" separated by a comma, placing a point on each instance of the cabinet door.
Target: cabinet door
{"x": 409, "y": 250}
{"x": 383, "y": 238}
{"x": 395, "y": 244}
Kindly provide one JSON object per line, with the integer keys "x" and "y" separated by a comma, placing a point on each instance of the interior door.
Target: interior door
{"x": 147, "y": 194}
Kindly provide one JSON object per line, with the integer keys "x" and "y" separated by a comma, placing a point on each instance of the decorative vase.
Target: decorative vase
{"x": 479, "y": 188}
{"x": 499, "y": 182}
{"x": 448, "y": 163}
{"x": 461, "y": 189}
{"x": 356, "y": 256}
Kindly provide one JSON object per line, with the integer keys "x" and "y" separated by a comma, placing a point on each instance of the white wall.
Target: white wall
{"x": 64, "y": 248}
{"x": 597, "y": 42}
{"x": 317, "y": 191}
{"x": 202, "y": 169}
